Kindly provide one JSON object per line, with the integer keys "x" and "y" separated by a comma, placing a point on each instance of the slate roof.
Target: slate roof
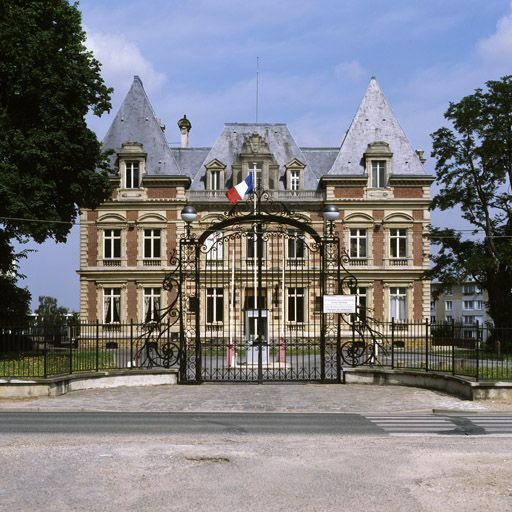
{"x": 190, "y": 160}
{"x": 375, "y": 121}
{"x": 136, "y": 122}
{"x": 320, "y": 159}
{"x": 280, "y": 144}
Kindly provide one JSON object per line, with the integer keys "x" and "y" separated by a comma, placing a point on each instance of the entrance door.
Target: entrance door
{"x": 256, "y": 336}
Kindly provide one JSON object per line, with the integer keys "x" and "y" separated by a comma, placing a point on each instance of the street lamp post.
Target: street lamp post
{"x": 188, "y": 215}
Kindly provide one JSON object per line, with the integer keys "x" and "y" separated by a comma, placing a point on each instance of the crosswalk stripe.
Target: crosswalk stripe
{"x": 424, "y": 423}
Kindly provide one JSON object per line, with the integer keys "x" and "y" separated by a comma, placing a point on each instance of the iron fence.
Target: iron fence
{"x": 479, "y": 352}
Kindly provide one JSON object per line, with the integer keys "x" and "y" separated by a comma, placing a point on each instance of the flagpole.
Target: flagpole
{"x": 255, "y": 247}
{"x": 231, "y": 347}
{"x": 282, "y": 357}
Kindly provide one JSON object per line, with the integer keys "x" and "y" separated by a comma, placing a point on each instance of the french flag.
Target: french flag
{"x": 238, "y": 192}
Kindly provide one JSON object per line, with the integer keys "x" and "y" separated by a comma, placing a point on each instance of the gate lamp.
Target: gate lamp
{"x": 330, "y": 213}
{"x": 188, "y": 215}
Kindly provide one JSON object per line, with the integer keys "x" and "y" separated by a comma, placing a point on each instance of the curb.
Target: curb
{"x": 55, "y": 386}
{"x": 451, "y": 384}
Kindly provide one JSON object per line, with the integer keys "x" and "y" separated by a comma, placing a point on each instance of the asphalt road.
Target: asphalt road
{"x": 252, "y": 423}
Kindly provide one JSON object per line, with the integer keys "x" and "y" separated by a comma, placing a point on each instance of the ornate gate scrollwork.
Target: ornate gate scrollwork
{"x": 246, "y": 301}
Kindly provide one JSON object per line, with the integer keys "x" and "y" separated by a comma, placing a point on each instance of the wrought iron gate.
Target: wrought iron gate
{"x": 246, "y": 302}
{"x": 250, "y": 301}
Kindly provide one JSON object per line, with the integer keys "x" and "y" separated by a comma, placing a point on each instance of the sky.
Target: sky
{"x": 313, "y": 59}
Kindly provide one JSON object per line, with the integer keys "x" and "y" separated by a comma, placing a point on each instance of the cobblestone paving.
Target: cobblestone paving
{"x": 253, "y": 398}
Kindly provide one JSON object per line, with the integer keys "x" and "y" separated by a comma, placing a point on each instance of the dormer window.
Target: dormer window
{"x": 295, "y": 175}
{"x": 132, "y": 159}
{"x": 378, "y": 173}
{"x": 294, "y": 180}
{"x": 215, "y": 175}
{"x": 132, "y": 175}
{"x": 215, "y": 180}
{"x": 378, "y": 164}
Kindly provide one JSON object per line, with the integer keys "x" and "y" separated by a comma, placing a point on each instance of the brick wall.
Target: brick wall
{"x": 378, "y": 238}
{"x": 131, "y": 239}
{"x": 158, "y": 193}
{"x": 408, "y": 192}
{"x": 131, "y": 302}
{"x": 417, "y": 239}
{"x": 378, "y": 300}
{"x": 418, "y": 301}
{"x": 348, "y": 192}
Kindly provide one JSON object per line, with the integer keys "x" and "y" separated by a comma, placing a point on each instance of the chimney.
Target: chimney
{"x": 185, "y": 126}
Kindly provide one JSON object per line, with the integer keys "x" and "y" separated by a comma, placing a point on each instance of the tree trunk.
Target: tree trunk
{"x": 499, "y": 289}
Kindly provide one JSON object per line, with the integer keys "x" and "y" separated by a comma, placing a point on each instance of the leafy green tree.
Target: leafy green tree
{"x": 50, "y": 312}
{"x": 474, "y": 174}
{"x": 13, "y": 312}
{"x": 51, "y": 317}
{"x": 51, "y": 164}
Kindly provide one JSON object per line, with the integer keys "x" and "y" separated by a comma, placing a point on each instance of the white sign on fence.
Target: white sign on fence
{"x": 339, "y": 303}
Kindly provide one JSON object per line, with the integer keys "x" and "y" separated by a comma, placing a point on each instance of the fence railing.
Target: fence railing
{"x": 473, "y": 351}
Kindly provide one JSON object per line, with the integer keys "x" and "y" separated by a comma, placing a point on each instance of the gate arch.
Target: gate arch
{"x": 246, "y": 302}
{"x": 251, "y": 289}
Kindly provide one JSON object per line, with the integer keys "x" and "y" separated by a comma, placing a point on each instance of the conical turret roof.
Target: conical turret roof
{"x": 136, "y": 122}
{"x": 375, "y": 122}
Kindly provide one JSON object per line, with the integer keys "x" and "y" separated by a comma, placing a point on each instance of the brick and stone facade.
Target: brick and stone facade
{"x": 374, "y": 177}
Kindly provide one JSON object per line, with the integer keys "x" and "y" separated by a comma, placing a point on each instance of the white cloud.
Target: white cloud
{"x": 496, "y": 50}
{"x": 121, "y": 60}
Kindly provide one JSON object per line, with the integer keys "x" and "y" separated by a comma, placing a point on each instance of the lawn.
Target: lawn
{"x": 57, "y": 363}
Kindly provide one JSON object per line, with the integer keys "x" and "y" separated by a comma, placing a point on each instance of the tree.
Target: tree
{"x": 474, "y": 171}
{"x": 51, "y": 318}
{"x": 51, "y": 164}
{"x": 50, "y": 312}
{"x": 13, "y": 312}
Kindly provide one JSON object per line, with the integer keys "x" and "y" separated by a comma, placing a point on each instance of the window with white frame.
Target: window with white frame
{"x": 449, "y": 318}
{"x": 468, "y": 305}
{"x": 468, "y": 320}
{"x": 361, "y": 302}
{"x": 398, "y": 243}
{"x": 295, "y": 245}
{"x": 151, "y": 300}
{"x": 214, "y": 305}
{"x": 358, "y": 243}
{"x": 378, "y": 173}
{"x": 152, "y": 243}
{"x": 398, "y": 304}
{"x": 295, "y": 305}
{"x": 111, "y": 244}
{"x": 469, "y": 289}
{"x": 215, "y": 180}
{"x": 214, "y": 246}
{"x": 132, "y": 174}
{"x": 448, "y": 305}
{"x": 112, "y": 305}
{"x": 479, "y": 304}
{"x": 294, "y": 180}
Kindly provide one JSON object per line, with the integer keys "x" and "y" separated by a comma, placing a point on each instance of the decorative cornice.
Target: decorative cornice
{"x": 172, "y": 180}
{"x": 347, "y": 180}
{"x": 410, "y": 179}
